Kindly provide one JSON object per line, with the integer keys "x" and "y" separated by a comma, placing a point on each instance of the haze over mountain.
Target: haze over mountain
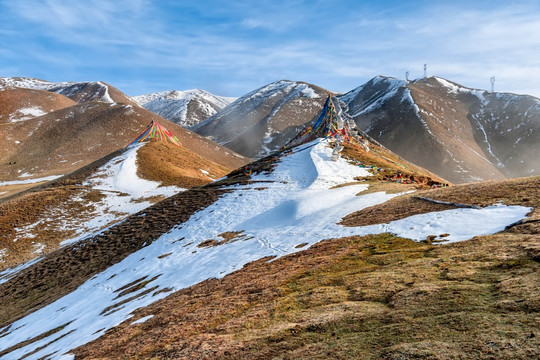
{"x": 185, "y": 108}
{"x": 262, "y": 121}
{"x": 462, "y": 134}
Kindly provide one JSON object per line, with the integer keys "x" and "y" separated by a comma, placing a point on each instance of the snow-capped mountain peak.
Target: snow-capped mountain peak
{"x": 185, "y": 108}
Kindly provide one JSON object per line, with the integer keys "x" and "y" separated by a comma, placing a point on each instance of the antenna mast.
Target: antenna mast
{"x": 492, "y": 79}
{"x": 425, "y": 70}
{"x": 407, "y": 75}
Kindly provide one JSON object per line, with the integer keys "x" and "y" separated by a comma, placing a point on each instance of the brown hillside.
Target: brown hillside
{"x": 454, "y": 130}
{"x": 93, "y": 91}
{"x": 69, "y": 138}
{"x": 372, "y": 297}
{"x": 15, "y": 100}
{"x": 48, "y": 206}
{"x": 261, "y": 122}
{"x": 459, "y": 133}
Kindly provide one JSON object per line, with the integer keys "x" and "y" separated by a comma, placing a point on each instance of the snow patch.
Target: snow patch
{"x": 142, "y": 320}
{"x": 26, "y": 114}
{"x": 106, "y": 96}
{"x": 32, "y": 111}
{"x": 29, "y": 181}
{"x": 486, "y": 140}
{"x": 38, "y": 248}
{"x": 308, "y": 92}
{"x": 455, "y": 89}
{"x": 125, "y": 193}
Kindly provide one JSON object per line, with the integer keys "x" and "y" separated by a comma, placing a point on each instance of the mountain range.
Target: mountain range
{"x": 334, "y": 245}
{"x": 462, "y": 134}
{"x": 45, "y": 134}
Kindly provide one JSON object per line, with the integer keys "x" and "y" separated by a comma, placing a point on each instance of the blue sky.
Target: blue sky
{"x": 232, "y": 47}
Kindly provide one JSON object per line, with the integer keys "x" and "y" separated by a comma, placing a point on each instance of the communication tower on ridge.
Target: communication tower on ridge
{"x": 425, "y": 70}
{"x": 407, "y": 75}
{"x": 492, "y": 80}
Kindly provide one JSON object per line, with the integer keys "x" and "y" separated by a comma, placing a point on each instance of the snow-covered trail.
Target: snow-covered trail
{"x": 294, "y": 204}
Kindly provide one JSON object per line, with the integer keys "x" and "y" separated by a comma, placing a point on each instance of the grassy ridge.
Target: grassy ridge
{"x": 368, "y": 297}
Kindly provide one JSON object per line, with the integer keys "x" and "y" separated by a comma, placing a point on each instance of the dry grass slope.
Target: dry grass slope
{"x": 12, "y": 101}
{"x": 157, "y": 161}
{"x": 372, "y": 297}
{"x": 172, "y": 165}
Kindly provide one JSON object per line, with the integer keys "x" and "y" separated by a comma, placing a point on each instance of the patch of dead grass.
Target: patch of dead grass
{"x": 523, "y": 192}
{"x": 173, "y": 165}
{"x": 226, "y": 237}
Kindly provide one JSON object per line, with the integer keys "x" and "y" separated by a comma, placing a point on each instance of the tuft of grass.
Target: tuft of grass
{"x": 227, "y": 236}
{"x": 94, "y": 196}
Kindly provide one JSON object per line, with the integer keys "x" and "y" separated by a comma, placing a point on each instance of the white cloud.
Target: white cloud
{"x": 336, "y": 45}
